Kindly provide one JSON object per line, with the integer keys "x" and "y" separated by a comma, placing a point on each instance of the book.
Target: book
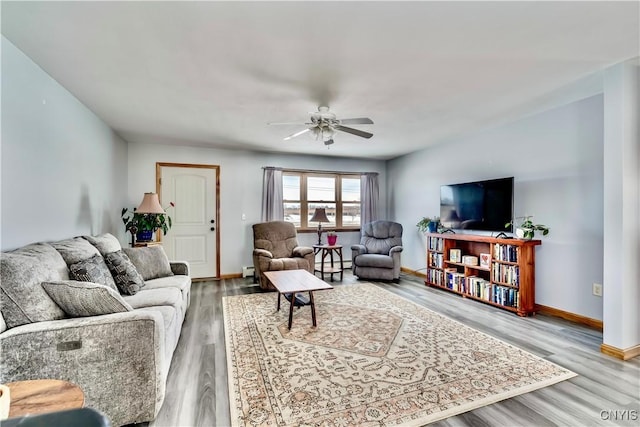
{"x": 485, "y": 260}
{"x": 455, "y": 255}
{"x": 470, "y": 260}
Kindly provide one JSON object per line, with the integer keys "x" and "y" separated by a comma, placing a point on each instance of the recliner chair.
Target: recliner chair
{"x": 276, "y": 248}
{"x": 377, "y": 256}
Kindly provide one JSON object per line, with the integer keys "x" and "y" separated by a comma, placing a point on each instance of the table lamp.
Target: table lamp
{"x": 150, "y": 204}
{"x": 319, "y": 216}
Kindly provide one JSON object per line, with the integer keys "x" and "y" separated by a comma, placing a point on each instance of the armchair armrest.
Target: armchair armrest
{"x": 179, "y": 268}
{"x": 357, "y": 250}
{"x": 301, "y": 251}
{"x": 262, "y": 252}
{"x": 395, "y": 249}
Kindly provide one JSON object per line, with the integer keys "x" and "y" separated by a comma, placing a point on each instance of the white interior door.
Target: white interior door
{"x": 193, "y": 236}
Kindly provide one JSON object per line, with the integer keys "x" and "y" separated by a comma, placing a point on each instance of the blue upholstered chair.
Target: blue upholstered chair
{"x": 377, "y": 257}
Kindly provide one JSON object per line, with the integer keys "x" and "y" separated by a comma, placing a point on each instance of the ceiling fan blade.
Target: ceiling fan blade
{"x": 353, "y": 131}
{"x": 297, "y": 134}
{"x": 289, "y": 123}
{"x": 358, "y": 121}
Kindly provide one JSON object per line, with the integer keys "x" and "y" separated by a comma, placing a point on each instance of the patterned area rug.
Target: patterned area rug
{"x": 374, "y": 359}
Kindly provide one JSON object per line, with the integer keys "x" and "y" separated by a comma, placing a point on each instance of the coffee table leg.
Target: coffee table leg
{"x": 293, "y": 299}
{"x": 313, "y": 308}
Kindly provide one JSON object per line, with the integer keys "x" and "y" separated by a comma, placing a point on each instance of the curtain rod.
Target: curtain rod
{"x": 318, "y": 171}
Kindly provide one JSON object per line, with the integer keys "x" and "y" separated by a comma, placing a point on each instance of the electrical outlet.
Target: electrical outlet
{"x": 597, "y": 289}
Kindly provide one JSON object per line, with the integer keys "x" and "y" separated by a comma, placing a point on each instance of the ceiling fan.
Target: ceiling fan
{"x": 324, "y": 125}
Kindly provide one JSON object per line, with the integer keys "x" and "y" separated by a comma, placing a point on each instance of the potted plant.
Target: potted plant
{"x": 144, "y": 225}
{"x": 332, "y": 237}
{"x": 428, "y": 224}
{"x": 525, "y": 227}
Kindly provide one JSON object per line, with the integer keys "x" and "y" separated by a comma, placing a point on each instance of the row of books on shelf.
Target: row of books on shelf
{"x": 505, "y": 252}
{"x": 506, "y": 274}
{"x": 435, "y": 259}
{"x": 481, "y": 288}
{"x": 435, "y": 276}
{"x": 435, "y": 244}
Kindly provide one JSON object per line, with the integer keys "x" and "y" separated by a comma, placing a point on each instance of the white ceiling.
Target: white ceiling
{"x": 215, "y": 73}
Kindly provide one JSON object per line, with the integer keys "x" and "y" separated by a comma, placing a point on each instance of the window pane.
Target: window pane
{"x": 292, "y": 213}
{"x": 330, "y": 209}
{"x": 290, "y": 187}
{"x": 351, "y": 215}
{"x": 321, "y": 188}
{"x": 350, "y": 189}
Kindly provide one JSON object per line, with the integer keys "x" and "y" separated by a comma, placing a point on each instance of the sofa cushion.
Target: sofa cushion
{"x": 155, "y": 297}
{"x": 83, "y": 299}
{"x": 94, "y": 270}
{"x": 75, "y": 250}
{"x": 178, "y": 281}
{"x": 124, "y": 273}
{"x": 22, "y": 271}
{"x": 151, "y": 261}
{"x": 105, "y": 243}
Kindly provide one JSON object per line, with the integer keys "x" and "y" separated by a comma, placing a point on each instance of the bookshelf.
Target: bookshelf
{"x": 505, "y": 279}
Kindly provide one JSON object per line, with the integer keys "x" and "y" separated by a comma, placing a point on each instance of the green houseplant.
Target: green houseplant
{"x": 526, "y": 228}
{"x": 138, "y": 223}
{"x": 428, "y": 224}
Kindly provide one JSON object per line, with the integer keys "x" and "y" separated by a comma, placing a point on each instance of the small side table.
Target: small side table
{"x": 325, "y": 250}
{"x": 40, "y": 396}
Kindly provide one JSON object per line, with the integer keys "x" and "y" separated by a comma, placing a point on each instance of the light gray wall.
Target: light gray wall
{"x": 63, "y": 169}
{"x": 240, "y": 190}
{"x": 556, "y": 160}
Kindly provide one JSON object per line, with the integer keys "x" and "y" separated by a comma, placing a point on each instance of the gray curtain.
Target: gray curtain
{"x": 272, "y": 206}
{"x": 369, "y": 197}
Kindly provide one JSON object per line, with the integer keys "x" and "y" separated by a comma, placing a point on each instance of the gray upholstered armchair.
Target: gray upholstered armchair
{"x": 276, "y": 247}
{"x": 378, "y": 254}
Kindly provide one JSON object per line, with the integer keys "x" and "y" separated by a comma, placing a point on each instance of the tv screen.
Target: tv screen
{"x": 481, "y": 205}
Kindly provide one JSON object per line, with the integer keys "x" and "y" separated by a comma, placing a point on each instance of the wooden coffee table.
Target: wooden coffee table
{"x": 40, "y": 396}
{"x": 294, "y": 281}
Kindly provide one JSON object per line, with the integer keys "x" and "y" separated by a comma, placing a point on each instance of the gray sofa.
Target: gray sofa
{"x": 116, "y": 343}
{"x": 377, "y": 257}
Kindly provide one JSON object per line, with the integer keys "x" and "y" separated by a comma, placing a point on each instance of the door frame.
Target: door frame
{"x": 160, "y": 165}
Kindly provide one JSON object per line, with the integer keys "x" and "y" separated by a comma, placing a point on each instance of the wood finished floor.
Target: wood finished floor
{"x": 197, "y": 390}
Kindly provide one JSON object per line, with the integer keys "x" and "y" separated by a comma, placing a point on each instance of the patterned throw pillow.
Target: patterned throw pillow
{"x": 127, "y": 278}
{"x": 151, "y": 261}
{"x": 82, "y": 299}
{"x": 93, "y": 270}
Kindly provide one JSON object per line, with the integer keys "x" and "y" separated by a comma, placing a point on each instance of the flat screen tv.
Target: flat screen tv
{"x": 482, "y": 205}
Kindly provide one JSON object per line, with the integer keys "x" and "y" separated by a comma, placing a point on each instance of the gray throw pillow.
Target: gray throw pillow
{"x": 105, "y": 243}
{"x": 75, "y": 250}
{"x": 83, "y": 299}
{"x": 127, "y": 278}
{"x": 151, "y": 261}
{"x": 94, "y": 270}
{"x": 22, "y": 299}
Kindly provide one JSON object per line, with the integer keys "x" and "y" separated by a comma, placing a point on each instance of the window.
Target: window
{"x": 338, "y": 194}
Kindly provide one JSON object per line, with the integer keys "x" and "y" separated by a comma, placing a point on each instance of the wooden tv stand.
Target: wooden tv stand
{"x": 506, "y": 281}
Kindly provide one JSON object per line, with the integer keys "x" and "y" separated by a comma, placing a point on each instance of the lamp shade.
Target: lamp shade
{"x": 150, "y": 204}
{"x": 319, "y": 215}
